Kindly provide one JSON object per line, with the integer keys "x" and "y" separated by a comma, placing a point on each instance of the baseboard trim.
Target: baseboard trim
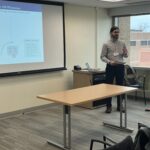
{"x": 25, "y": 111}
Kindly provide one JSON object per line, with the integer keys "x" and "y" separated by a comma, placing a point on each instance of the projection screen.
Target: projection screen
{"x": 31, "y": 37}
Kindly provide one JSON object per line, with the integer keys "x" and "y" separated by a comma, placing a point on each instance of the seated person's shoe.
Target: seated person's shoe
{"x": 108, "y": 109}
{"x": 123, "y": 110}
{"x": 147, "y": 109}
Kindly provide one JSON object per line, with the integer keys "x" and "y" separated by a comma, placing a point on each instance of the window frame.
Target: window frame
{"x": 138, "y": 42}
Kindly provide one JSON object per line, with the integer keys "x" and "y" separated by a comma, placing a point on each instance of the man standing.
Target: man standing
{"x": 112, "y": 54}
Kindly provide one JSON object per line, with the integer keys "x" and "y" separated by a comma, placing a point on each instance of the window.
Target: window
{"x": 135, "y": 31}
{"x": 143, "y": 43}
{"x": 132, "y": 43}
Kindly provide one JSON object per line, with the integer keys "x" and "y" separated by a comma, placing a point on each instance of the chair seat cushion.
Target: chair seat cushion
{"x": 135, "y": 85}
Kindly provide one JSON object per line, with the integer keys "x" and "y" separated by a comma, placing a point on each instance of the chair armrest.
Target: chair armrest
{"x": 105, "y": 138}
{"x": 126, "y": 143}
{"x": 98, "y": 141}
{"x": 106, "y": 142}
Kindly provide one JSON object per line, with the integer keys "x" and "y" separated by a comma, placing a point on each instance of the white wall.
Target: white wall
{"x": 20, "y": 92}
{"x": 80, "y": 35}
{"x": 104, "y": 23}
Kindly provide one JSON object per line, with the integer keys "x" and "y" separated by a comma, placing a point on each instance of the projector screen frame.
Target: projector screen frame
{"x": 64, "y": 46}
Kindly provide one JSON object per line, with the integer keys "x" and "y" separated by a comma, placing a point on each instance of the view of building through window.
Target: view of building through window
{"x": 139, "y": 38}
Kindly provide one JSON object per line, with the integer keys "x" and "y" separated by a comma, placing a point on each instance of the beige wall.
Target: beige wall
{"x": 20, "y": 92}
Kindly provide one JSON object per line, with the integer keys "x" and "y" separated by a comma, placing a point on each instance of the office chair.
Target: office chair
{"x": 141, "y": 141}
{"x": 142, "y": 138}
{"x": 109, "y": 144}
{"x": 140, "y": 125}
{"x": 131, "y": 79}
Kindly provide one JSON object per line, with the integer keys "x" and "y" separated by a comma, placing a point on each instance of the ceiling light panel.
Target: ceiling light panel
{"x": 112, "y": 0}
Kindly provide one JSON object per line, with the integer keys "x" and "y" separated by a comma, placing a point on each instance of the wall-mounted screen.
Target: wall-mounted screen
{"x": 31, "y": 37}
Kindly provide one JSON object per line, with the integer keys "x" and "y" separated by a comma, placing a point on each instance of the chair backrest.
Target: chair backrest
{"x": 142, "y": 139}
{"x": 126, "y": 144}
{"x": 130, "y": 75}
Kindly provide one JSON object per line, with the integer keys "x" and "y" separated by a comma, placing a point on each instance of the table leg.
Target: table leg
{"x": 66, "y": 130}
{"x": 121, "y": 127}
{"x": 121, "y": 106}
{"x": 67, "y": 118}
{"x": 125, "y": 107}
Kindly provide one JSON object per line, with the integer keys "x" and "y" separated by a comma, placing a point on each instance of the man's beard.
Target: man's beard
{"x": 115, "y": 37}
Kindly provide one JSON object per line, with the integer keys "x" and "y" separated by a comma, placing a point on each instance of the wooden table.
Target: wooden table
{"x": 81, "y": 95}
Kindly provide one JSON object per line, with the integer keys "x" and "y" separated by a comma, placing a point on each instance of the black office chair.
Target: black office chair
{"x": 109, "y": 144}
{"x": 141, "y": 141}
{"x": 133, "y": 80}
{"x": 142, "y": 138}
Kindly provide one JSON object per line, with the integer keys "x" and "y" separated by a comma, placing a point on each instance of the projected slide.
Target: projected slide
{"x": 21, "y": 33}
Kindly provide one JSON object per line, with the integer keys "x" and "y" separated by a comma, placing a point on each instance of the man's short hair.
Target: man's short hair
{"x": 114, "y": 28}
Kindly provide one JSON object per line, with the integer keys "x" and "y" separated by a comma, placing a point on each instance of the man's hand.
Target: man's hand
{"x": 125, "y": 52}
{"x": 113, "y": 63}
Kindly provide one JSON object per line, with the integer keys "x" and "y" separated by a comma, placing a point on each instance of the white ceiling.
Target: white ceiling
{"x": 102, "y": 4}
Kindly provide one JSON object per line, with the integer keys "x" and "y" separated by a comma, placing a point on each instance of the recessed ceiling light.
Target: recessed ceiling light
{"x": 111, "y": 0}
